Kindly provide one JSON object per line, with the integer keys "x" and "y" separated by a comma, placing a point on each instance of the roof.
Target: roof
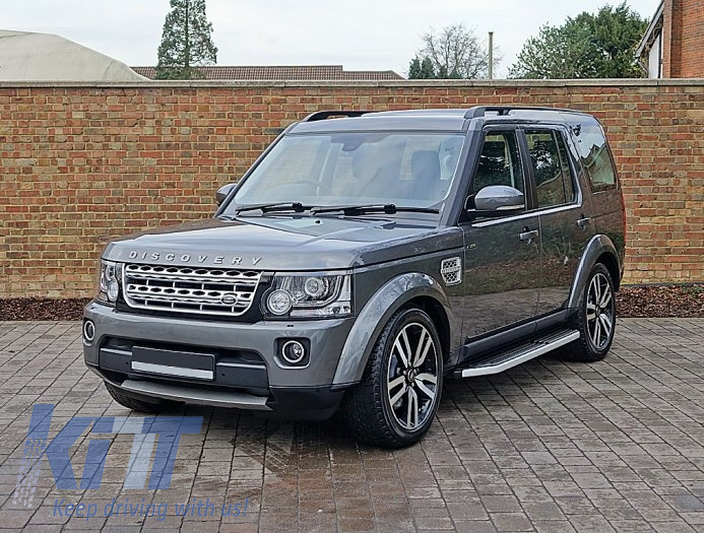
{"x": 26, "y": 56}
{"x": 280, "y": 73}
{"x": 445, "y": 120}
{"x": 652, "y": 32}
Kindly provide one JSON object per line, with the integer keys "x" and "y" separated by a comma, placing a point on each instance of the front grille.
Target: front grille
{"x": 207, "y": 291}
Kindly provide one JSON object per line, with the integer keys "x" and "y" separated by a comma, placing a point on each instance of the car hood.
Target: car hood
{"x": 285, "y": 242}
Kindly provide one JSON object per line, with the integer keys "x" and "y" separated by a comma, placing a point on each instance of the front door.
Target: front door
{"x": 501, "y": 278}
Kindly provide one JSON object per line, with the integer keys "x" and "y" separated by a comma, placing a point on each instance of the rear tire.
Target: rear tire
{"x": 596, "y": 318}
{"x": 396, "y": 402}
{"x": 136, "y": 404}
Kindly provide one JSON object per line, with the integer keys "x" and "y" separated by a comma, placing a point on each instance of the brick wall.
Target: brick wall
{"x": 692, "y": 38}
{"x": 683, "y": 44}
{"x": 671, "y": 39}
{"x": 82, "y": 164}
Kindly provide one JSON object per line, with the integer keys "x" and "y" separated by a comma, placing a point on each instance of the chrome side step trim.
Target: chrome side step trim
{"x": 198, "y": 395}
{"x": 531, "y": 351}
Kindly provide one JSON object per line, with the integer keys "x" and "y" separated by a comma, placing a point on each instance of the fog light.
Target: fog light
{"x": 293, "y": 352}
{"x": 88, "y": 330}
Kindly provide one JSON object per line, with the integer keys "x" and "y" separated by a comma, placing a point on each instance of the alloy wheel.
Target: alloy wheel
{"x": 600, "y": 312}
{"x": 412, "y": 376}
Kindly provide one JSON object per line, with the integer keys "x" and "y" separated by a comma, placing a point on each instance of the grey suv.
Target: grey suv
{"x": 364, "y": 258}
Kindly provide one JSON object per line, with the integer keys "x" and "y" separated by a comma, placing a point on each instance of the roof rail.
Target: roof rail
{"x": 324, "y": 115}
{"x": 480, "y": 111}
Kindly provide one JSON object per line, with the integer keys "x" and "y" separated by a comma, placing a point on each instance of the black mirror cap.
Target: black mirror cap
{"x": 223, "y": 192}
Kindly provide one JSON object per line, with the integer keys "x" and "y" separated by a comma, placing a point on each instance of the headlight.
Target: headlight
{"x": 109, "y": 281}
{"x": 309, "y": 296}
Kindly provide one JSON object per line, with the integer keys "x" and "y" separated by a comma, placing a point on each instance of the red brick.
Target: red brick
{"x": 82, "y": 165}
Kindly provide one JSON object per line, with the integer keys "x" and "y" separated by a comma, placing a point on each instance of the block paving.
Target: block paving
{"x": 614, "y": 446}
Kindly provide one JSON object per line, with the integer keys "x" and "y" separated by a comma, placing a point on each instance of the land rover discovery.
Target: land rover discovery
{"x": 363, "y": 259}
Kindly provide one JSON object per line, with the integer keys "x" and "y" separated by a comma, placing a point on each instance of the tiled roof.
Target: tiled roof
{"x": 283, "y": 73}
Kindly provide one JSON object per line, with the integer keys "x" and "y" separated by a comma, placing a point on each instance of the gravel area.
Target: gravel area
{"x": 42, "y": 308}
{"x": 650, "y": 301}
{"x": 654, "y": 301}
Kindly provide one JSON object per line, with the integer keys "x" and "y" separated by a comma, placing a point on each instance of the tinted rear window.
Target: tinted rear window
{"x": 596, "y": 157}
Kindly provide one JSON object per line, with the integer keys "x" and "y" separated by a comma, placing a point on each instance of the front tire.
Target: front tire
{"x": 396, "y": 402}
{"x": 596, "y": 318}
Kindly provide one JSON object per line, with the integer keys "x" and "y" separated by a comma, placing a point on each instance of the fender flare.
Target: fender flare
{"x": 385, "y": 302}
{"x": 596, "y": 247}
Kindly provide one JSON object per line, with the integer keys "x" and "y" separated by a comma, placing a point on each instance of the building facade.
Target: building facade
{"x": 673, "y": 45}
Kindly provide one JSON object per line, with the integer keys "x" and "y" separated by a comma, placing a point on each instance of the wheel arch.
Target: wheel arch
{"x": 600, "y": 249}
{"x": 612, "y": 265}
{"x": 437, "y": 314}
{"x": 416, "y": 289}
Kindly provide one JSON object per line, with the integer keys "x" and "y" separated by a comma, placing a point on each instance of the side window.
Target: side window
{"x": 568, "y": 177}
{"x": 595, "y": 156}
{"x": 553, "y": 177}
{"x": 499, "y": 163}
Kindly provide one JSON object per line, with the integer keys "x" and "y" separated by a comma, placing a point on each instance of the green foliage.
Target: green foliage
{"x": 421, "y": 69}
{"x": 454, "y": 52}
{"x": 587, "y": 46}
{"x": 185, "y": 42}
{"x": 693, "y": 290}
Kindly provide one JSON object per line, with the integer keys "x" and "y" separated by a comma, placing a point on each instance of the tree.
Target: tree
{"x": 185, "y": 42}
{"x": 557, "y": 52}
{"x": 421, "y": 70}
{"x": 587, "y": 46}
{"x": 616, "y": 34}
{"x": 455, "y": 52}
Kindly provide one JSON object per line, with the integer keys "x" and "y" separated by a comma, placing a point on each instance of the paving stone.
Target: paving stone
{"x": 511, "y": 522}
{"x": 551, "y": 446}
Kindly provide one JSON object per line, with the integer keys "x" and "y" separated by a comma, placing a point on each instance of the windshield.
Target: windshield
{"x": 333, "y": 169}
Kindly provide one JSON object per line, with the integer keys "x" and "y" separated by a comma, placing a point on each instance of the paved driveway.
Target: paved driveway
{"x": 616, "y": 445}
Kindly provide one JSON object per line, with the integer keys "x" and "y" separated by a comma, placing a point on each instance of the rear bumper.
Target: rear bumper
{"x": 246, "y": 371}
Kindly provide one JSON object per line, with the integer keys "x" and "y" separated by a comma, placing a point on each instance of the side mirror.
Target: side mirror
{"x": 223, "y": 192}
{"x": 499, "y": 198}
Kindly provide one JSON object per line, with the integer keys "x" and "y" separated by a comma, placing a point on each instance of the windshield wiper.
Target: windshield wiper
{"x": 296, "y": 207}
{"x": 388, "y": 209}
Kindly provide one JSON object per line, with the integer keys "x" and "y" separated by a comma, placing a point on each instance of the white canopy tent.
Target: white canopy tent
{"x": 26, "y": 56}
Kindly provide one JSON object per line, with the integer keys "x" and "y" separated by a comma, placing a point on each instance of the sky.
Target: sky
{"x": 360, "y": 35}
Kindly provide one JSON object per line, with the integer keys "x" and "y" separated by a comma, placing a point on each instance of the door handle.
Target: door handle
{"x": 583, "y": 222}
{"x": 527, "y": 235}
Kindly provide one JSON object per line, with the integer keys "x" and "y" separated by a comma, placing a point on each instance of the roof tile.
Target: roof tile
{"x": 280, "y": 73}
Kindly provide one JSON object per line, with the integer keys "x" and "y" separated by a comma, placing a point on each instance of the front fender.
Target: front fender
{"x": 597, "y": 247}
{"x": 374, "y": 316}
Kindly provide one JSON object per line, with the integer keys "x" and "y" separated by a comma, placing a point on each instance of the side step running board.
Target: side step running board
{"x": 505, "y": 360}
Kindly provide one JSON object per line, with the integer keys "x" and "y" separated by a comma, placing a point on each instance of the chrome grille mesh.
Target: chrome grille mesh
{"x": 208, "y": 291}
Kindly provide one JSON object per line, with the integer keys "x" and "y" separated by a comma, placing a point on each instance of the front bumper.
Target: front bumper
{"x": 246, "y": 370}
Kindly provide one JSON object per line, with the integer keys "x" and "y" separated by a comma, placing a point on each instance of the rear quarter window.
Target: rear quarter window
{"x": 596, "y": 157}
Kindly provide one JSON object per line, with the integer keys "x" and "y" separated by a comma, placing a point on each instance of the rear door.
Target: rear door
{"x": 565, "y": 223}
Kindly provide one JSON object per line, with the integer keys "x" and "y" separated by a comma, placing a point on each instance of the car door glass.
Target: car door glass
{"x": 595, "y": 157}
{"x": 548, "y": 156}
{"x": 567, "y": 176}
{"x": 499, "y": 163}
